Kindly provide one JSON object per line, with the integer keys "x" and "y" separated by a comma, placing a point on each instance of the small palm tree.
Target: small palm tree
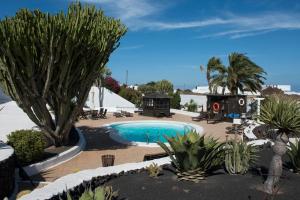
{"x": 241, "y": 74}
{"x": 281, "y": 113}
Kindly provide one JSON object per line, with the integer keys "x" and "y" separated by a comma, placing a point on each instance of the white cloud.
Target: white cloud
{"x": 140, "y": 14}
{"x": 237, "y": 26}
{"x": 128, "y": 9}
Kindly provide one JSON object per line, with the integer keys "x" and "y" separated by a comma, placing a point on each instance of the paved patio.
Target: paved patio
{"x": 99, "y": 143}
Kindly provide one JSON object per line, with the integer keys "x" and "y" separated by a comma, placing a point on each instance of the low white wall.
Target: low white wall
{"x": 58, "y": 159}
{"x": 73, "y": 180}
{"x": 183, "y": 112}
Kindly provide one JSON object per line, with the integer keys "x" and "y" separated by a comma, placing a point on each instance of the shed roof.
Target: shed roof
{"x": 156, "y": 96}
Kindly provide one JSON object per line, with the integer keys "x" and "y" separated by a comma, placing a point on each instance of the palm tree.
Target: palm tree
{"x": 241, "y": 74}
{"x": 282, "y": 114}
{"x": 105, "y": 72}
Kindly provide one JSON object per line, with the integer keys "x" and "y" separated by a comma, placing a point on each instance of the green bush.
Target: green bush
{"x": 192, "y": 106}
{"x": 28, "y": 144}
{"x": 175, "y": 100}
{"x": 131, "y": 95}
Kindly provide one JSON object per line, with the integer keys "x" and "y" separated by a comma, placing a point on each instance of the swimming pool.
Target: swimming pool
{"x": 147, "y": 133}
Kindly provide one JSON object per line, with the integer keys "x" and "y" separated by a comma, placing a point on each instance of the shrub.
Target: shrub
{"x": 131, "y": 95}
{"x": 194, "y": 155}
{"x": 192, "y": 106}
{"x": 294, "y": 155}
{"x": 239, "y": 156}
{"x": 112, "y": 84}
{"x": 175, "y": 100}
{"x": 272, "y": 91}
{"x": 28, "y": 144}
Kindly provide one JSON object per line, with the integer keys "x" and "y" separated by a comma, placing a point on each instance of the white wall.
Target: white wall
{"x": 205, "y": 90}
{"x": 199, "y": 99}
{"x": 111, "y": 101}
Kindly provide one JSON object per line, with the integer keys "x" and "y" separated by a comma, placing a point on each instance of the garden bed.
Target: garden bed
{"x": 52, "y": 151}
{"x": 219, "y": 185}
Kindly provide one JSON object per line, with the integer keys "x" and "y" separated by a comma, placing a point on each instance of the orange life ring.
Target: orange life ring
{"x": 216, "y": 107}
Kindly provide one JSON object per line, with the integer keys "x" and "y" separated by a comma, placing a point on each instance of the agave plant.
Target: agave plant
{"x": 100, "y": 193}
{"x": 239, "y": 156}
{"x": 154, "y": 170}
{"x": 283, "y": 114}
{"x": 194, "y": 155}
{"x": 294, "y": 155}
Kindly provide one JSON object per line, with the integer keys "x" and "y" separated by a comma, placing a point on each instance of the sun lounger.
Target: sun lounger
{"x": 84, "y": 114}
{"x": 201, "y": 116}
{"x": 101, "y": 111}
{"x": 117, "y": 114}
{"x": 94, "y": 114}
{"x": 127, "y": 114}
{"x": 103, "y": 114}
{"x": 215, "y": 118}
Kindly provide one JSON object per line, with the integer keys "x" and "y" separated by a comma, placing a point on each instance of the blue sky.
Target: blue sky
{"x": 170, "y": 39}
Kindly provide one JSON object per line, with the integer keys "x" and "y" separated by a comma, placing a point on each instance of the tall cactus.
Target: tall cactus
{"x": 53, "y": 60}
{"x": 239, "y": 156}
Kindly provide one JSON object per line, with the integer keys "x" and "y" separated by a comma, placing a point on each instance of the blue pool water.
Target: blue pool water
{"x": 150, "y": 132}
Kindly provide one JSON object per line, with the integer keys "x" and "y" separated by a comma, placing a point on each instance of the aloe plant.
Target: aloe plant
{"x": 239, "y": 156}
{"x": 193, "y": 155}
{"x": 100, "y": 193}
{"x": 154, "y": 170}
{"x": 294, "y": 155}
{"x": 281, "y": 113}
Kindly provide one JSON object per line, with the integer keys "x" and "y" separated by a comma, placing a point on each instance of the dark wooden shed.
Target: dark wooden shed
{"x": 156, "y": 104}
{"x": 226, "y": 106}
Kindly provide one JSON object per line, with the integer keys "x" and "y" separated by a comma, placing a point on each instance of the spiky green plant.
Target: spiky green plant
{"x": 239, "y": 156}
{"x": 193, "y": 155}
{"x": 281, "y": 113}
{"x": 53, "y": 60}
{"x": 100, "y": 193}
{"x": 294, "y": 155}
{"x": 154, "y": 170}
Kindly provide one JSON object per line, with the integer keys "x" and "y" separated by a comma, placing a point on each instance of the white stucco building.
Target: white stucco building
{"x": 205, "y": 90}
